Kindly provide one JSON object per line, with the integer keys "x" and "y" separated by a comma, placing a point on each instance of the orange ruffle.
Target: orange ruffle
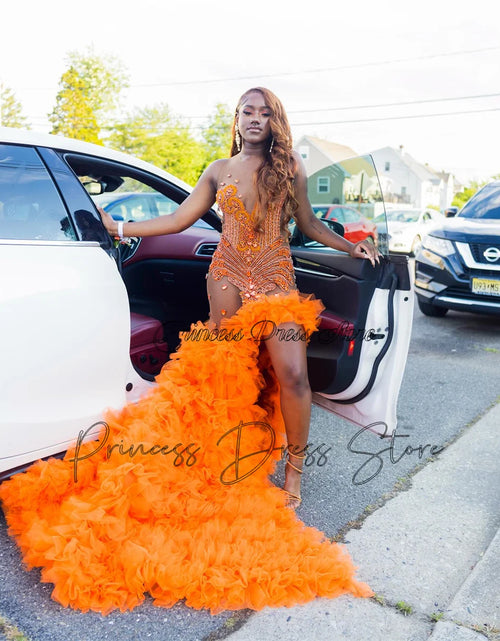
{"x": 177, "y": 501}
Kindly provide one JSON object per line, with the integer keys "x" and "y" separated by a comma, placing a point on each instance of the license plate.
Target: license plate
{"x": 486, "y": 286}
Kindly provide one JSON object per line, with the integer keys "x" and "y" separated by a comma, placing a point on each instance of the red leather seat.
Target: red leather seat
{"x": 148, "y": 349}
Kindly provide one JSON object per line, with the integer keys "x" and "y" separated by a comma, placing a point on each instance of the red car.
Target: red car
{"x": 356, "y": 226}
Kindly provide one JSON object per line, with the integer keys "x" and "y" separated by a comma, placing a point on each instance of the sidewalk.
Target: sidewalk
{"x": 431, "y": 555}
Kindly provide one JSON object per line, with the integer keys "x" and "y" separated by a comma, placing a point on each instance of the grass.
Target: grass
{"x": 10, "y": 631}
{"x": 404, "y": 607}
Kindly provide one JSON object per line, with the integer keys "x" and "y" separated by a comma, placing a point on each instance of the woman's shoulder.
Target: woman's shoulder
{"x": 298, "y": 164}
{"x": 216, "y": 168}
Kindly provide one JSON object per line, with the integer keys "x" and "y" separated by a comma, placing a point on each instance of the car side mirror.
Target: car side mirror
{"x": 335, "y": 226}
{"x": 298, "y": 239}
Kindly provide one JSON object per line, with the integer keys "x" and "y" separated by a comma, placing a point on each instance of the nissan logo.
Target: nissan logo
{"x": 492, "y": 254}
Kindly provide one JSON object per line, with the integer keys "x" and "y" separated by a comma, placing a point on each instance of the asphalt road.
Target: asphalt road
{"x": 451, "y": 378}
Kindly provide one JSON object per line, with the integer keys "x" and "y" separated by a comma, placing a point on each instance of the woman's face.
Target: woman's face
{"x": 254, "y": 118}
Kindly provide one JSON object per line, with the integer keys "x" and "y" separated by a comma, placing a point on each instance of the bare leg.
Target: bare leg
{"x": 224, "y": 299}
{"x": 288, "y": 358}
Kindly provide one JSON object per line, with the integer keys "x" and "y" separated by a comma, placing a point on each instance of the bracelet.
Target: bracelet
{"x": 120, "y": 229}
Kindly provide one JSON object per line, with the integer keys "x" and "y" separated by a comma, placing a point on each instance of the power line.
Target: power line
{"x": 317, "y": 70}
{"x": 376, "y": 106}
{"x": 279, "y": 74}
{"x": 397, "y": 104}
{"x": 341, "y": 122}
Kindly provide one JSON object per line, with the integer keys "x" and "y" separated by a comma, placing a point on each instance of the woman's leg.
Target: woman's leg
{"x": 224, "y": 299}
{"x": 288, "y": 358}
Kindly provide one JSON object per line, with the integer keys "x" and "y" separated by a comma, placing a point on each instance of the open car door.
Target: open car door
{"x": 357, "y": 358}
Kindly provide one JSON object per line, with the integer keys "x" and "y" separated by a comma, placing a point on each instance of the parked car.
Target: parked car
{"x": 136, "y": 206}
{"x": 85, "y": 326}
{"x": 458, "y": 266}
{"x": 356, "y": 227}
{"x": 407, "y": 227}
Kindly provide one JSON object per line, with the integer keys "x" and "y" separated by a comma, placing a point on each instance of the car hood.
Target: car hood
{"x": 403, "y": 227}
{"x": 485, "y": 230}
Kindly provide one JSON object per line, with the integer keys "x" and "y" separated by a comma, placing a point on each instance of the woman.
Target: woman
{"x": 179, "y": 502}
{"x": 259, "y": 189}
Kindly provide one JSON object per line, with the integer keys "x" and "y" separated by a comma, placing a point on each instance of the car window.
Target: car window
{"x": 320, "y": 210}
{"x": 350, "y": 216}
{"x": 30, "y": 205}
{"x": 124, "y": 195}
{"x": 134, "y": 201}
{"x": 337, "y": 214}
{"x": 484, "y": 204}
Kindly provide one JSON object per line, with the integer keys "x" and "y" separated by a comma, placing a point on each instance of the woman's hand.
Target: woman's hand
{"x": 365, "y": 249}
{"x": 108, "y": 222}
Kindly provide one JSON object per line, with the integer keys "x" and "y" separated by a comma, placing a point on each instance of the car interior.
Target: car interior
{"x": 164, "y": 275}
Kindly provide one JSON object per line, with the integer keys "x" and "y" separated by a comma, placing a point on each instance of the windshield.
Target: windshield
{"x": 484, "y": 204}
{"x": 400, "y": 216}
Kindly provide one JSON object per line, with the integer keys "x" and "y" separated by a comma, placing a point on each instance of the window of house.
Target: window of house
{"x": 304, "y": 151}
{"x": 387, "y": 166}
{"x": 403, "y": 191}
{"x": 323, "y": 184}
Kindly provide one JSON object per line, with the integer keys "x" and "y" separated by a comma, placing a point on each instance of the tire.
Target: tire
{"x": 431, "y": 310}
{"x": 417, "y": 242}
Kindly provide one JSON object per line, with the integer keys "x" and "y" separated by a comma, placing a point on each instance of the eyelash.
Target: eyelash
{"x": 249, "y": 113}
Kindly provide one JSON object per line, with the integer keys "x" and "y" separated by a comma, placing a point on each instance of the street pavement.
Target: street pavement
{"x": 431, "y": 554}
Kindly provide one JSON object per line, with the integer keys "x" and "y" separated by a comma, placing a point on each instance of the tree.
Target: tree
{"x": 217, "y": 135}
{"x": 466, "y": 194}
{"x": 11, "y": 111}
{"x": 155, "y": 135}
{"x": 89, "y": 95}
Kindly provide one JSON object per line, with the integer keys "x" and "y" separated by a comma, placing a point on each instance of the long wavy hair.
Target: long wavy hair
{"x": 274, "y": 180}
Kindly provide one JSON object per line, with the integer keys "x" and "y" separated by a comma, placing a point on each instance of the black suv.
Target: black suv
{"x": 458, "y": 266}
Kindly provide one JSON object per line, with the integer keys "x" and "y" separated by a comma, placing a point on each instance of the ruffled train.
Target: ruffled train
{"x": 175, "y": 499}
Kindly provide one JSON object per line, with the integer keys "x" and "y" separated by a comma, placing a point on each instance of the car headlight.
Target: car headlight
{"x": 439, "y": 246}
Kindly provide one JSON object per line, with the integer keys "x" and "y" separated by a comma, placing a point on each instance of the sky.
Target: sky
{"x": 365, "y": 74}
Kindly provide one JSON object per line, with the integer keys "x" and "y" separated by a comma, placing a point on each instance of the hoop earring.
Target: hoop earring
{"x": 272, "y": 144}
{"x": 237, "y": 138}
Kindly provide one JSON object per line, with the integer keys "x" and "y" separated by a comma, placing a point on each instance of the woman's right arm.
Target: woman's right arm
{"x": 196, "y": 204}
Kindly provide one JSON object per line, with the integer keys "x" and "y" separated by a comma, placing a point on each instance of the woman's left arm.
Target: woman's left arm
{"x": 316, "y": 230}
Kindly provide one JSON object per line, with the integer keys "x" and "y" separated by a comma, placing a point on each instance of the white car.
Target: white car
{"x": 85, "y": 326}
{"x": 408, "y": 227}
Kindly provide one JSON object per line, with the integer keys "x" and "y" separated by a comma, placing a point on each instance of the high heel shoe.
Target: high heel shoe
{"x": 293, "y": 500}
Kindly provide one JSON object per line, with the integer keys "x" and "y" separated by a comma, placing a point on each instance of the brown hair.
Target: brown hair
{"x": 274, "y": 180}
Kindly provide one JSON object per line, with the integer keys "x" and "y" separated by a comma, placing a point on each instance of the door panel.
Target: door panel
{"x": 356, "y": 361}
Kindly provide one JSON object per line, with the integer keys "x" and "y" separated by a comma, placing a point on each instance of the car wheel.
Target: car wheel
{"x": 417, "y": 242}
{"x": 431, "y": 310}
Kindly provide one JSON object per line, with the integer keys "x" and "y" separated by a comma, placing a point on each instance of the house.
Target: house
{"x": 449, "y": 187}
{"x": 406, "y": 181}
{"x": 336, "y": 174}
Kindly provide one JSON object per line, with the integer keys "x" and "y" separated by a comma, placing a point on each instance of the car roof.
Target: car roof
{"x": 61, "y": 143}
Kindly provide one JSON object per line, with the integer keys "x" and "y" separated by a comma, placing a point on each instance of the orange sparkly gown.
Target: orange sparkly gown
{"x": 175, "y": 499}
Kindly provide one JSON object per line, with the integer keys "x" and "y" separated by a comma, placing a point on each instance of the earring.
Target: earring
{"x": 237, "y": 138}
{"x": 272, "y": 143}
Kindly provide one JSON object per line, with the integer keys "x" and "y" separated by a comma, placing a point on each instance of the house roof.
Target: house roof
{"x": 332, "y": 151}
{"x": 421, "y": 171}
